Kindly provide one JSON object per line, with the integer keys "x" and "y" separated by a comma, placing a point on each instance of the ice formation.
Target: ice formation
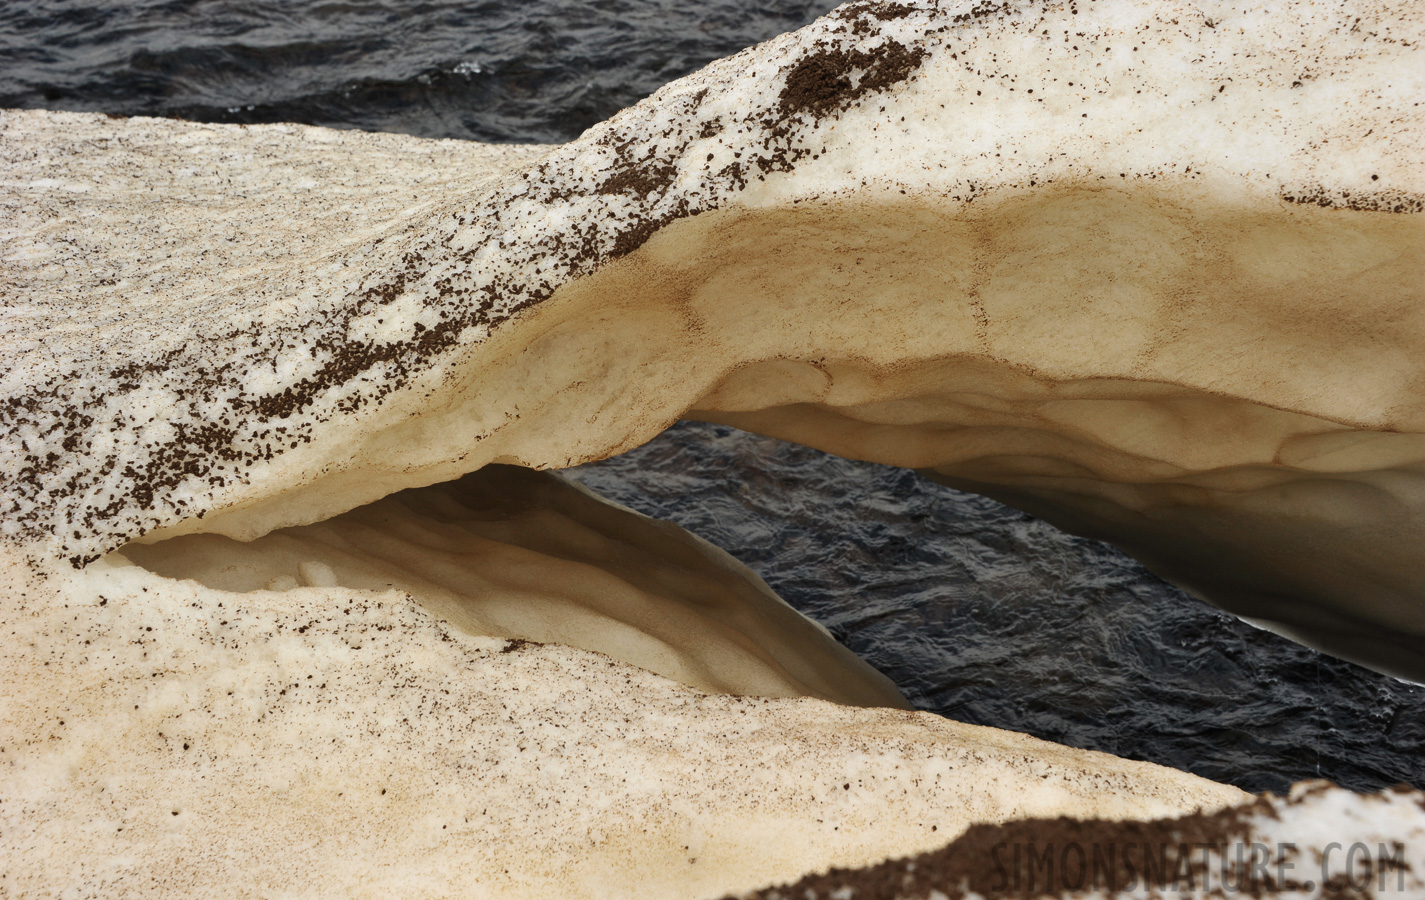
{"x": 507, "y": 552}
{"x": 1152, "y": 271}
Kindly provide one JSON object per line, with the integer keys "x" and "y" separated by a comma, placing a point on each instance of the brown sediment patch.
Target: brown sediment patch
{"x": 1023, "y": 859}
{"x": 1228, "y": 852}
{"x": 1389, "y": 201}
{"x": 832, "y": 78}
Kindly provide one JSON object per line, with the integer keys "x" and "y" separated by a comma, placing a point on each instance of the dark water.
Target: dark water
{"x": 501, "y": 70}
{"x": 976, "y": 611}
{"x": 987, "y": 615}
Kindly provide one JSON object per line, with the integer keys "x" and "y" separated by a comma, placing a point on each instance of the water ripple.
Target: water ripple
{"x": 987, "y": 615}
{"x": 533, "y": 71}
